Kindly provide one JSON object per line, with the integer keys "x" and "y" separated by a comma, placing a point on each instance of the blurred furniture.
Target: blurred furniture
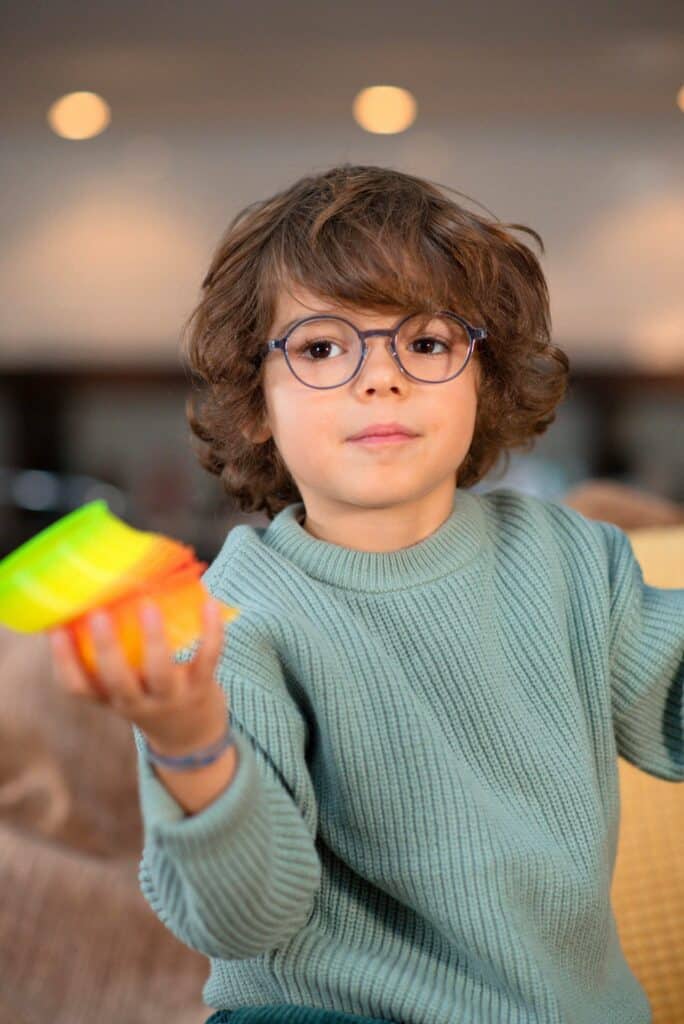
{"x": 648, "y": 885}
{"x": 630, "y": 508}
{"x": 78, "y": 943}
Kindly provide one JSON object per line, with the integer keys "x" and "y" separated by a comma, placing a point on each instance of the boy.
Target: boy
{"x": 414, "y": 816}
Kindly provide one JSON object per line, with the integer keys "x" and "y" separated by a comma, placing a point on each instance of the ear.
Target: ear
{"x": 258, "y": 434}
{"x": 263, "y": 436}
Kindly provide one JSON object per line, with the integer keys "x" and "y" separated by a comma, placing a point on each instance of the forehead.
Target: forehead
{"x": 298, "y": 301}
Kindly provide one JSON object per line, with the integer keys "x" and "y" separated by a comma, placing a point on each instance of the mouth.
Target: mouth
{"x": 378, "y": 439}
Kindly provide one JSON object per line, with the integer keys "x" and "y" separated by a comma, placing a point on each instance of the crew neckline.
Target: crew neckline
{"x": 451, "y": 546}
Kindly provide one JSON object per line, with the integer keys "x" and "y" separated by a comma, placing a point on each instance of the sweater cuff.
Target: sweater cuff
{"x": 165, "y": 819}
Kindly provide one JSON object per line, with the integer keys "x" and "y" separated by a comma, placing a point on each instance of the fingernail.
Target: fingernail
{"x": 150, "y": 614}
{"x": 99, "y": 622}
{"x": 56, "y": 638}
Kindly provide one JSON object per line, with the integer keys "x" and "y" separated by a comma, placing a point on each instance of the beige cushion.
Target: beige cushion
{"x": 78, "y": 942}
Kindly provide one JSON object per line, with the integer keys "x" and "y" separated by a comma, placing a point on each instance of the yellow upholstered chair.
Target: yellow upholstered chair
{"x": 648, "y": 886}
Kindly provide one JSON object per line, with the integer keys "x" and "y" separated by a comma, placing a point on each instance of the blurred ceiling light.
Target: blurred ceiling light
{"x": 384, "y": 109}
{"x": 79, "y": 115}
{"x": 680, "y": 99}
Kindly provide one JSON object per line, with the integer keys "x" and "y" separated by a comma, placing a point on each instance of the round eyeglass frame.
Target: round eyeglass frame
{"x": 475, "y": 334}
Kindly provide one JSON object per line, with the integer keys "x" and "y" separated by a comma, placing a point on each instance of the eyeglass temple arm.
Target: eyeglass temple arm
{"x": 268, "y": 347}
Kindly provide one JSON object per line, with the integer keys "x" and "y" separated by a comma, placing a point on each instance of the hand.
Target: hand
{"x": 179, "y": 707}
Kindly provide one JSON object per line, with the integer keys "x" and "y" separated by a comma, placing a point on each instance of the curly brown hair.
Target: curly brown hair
{"x": 373, "y": 238}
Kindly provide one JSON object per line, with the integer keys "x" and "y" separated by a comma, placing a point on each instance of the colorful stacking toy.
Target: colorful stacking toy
{"x": 91, "y": 559}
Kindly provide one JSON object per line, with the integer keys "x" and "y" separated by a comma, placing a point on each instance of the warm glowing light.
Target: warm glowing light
{"x": 384, "y": 109}
{"x": 79, "y": 115}
{"x": 680, "y": 99}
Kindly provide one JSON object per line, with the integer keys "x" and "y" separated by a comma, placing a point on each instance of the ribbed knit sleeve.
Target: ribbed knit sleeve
{"x": 646, "y": 664}
{"x": 239, "y": 877}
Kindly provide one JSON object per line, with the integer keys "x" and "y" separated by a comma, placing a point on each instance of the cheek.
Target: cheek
{"x": 305, "y": 432}
{"x": 459, "y": 409}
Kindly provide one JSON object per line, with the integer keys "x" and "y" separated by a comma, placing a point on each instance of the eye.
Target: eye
{"x": 430, "y": 340}
{"x": 309, "y": 346}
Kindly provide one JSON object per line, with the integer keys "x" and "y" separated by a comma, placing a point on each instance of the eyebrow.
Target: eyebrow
{"x": 282, "y": 330}
{"x": 316, "y": 312}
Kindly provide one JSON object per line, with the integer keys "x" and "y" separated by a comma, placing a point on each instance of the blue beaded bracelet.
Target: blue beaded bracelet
{"x": 196, "y": 760}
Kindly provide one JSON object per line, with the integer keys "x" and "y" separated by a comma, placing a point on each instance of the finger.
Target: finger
{"x": 213, "y": 639}
{"x": 158, "y": 674}
{"x": 113, "y": 670}
{"x": 68, "y": 667}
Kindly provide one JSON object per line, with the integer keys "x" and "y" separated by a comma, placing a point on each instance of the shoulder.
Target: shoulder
{"x": 553, "y": 530}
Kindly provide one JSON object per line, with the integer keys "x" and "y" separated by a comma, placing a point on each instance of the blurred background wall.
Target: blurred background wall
{"x": 569, "y": 120}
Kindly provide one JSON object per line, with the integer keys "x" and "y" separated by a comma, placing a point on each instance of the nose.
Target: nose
{"x": 386, "y": 336}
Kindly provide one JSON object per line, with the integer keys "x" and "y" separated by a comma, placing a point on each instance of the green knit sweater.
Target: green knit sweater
{"x": 424, "y": 821}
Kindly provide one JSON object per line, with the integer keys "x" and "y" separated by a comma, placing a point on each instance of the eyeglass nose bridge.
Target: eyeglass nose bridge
{"x": 387, "y": 332}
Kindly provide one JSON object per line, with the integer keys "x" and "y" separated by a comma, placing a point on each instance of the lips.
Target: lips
{"x": 383, "y": 439}
{"x": 383, "y": 430}
{"x": 373, "y": 437}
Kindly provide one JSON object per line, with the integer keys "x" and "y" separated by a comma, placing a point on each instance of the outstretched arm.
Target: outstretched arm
{"x": 646, "y": 664}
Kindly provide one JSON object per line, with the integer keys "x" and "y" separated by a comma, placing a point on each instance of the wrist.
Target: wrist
{"x": 195, "y": 787}
{"x": 198, "y": 757}
{"x": 187, "y": 746}
{"x": 196, "y": 728}
{"x": 202, "y": 729}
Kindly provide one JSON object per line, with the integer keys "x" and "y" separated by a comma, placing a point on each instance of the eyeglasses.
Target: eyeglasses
{"x": 446, "y": 342}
